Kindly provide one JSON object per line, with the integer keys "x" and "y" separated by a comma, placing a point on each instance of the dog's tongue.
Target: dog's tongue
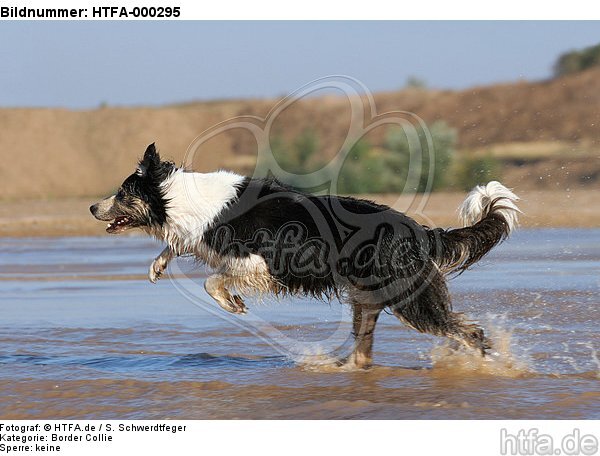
{"x": 118, "y": 225}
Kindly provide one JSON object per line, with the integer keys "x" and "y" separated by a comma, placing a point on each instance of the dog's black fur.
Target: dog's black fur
{"x": 365, "y": 246}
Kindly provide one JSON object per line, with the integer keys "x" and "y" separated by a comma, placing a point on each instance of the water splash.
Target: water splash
{"x": 595, "y": 358}
{"x": 317, "y": 359}
{"x": 502, "y": 361}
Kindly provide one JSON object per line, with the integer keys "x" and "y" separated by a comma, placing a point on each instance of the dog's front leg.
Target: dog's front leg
{"x": 216, "y": 286}
{"x": 160, "y": 264}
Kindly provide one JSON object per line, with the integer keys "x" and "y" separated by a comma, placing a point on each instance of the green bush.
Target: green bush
{"x": 444, "y": 142}
{"x": 576, "y": 61}
{"x": 472, "y": 171}
{"x": 295, "y": 158}
{"x": 388, "y": 168}
{"x": 414, "y": 82}
{"x": 362, "y": 171}
{"x": 416, "y": 173}
{"x": 298, "y": 158}
{"x": 304, "y": 148}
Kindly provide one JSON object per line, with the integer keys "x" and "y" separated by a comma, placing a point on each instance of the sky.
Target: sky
{"x": 85, "y": 64}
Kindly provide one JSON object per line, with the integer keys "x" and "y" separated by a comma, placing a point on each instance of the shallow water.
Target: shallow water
{"x": 83, "y": 334}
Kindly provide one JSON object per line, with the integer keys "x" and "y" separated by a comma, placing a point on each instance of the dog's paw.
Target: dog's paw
{"x": 156, "y": 269}
{"x": 234, "y": 305}
{"x": 240, "y": 306}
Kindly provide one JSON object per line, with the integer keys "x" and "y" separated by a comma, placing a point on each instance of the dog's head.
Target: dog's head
{"x": 140, "y": 201}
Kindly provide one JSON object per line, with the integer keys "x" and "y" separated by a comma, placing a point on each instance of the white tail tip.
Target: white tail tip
{"x": 478, "y": 202}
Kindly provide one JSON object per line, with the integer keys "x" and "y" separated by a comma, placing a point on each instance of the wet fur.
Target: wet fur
{"x": 261, "y": 236}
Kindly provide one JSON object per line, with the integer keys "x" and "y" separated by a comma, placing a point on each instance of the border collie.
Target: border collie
{"x": 261, "y": 236}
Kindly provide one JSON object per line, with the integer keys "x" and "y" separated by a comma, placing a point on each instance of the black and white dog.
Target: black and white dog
{"x": 261, "y": 236}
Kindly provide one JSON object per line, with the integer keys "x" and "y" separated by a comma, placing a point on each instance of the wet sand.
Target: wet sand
{"x": 71, "y": 217}
{"x": 84, "y": 335}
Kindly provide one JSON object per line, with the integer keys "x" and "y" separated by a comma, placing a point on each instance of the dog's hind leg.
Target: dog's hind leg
{"x": 364, "y": 319}
{"x": 159, "y": 264}
{"x": 429, "y": 311}
{"x": 216, "y": 287}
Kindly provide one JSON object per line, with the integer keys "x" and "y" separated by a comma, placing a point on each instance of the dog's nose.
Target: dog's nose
{"x": 93, "y": 209}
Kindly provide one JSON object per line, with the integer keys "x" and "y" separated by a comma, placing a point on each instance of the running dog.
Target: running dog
{"x": 261, "y": 236}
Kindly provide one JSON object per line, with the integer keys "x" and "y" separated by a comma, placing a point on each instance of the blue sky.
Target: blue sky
{"x": 83, "y": 64}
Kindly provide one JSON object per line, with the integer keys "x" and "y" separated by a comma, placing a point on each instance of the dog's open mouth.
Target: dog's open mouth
{"x": 119, "y": 224}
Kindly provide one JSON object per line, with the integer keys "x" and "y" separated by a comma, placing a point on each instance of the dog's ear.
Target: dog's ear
{"x": 151, "y": 160}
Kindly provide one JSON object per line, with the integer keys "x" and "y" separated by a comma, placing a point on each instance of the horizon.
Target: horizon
{"x": 86, "y": 65}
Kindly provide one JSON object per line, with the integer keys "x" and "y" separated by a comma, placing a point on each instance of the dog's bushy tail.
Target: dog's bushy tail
{"x": 489, "y": 214}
